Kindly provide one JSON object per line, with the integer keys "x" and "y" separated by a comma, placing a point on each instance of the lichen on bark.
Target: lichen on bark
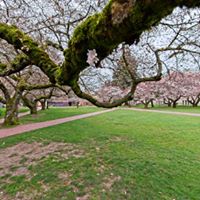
{"x": 30, "y": 48}
{"x": 11, "y": 115}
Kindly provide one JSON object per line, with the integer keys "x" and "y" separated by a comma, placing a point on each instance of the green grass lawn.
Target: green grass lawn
{"x": 21, "y": 110}
{"x": 118, "y": 155}
{"x": 179, "y": 108}
{"x": 56, "y": 113}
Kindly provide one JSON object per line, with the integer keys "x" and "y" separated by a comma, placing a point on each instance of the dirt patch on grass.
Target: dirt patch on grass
{"x": 16, "y": 159}
{"x": 85, "y": 197}
{"x": 65, "y": 177}
{"x": 110, "y": 180}
{"x": 119, "y": 139}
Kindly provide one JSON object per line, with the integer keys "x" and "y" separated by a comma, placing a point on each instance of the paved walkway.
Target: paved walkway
{"x": 165, "y": 112}
{"x": 30, "y": 127}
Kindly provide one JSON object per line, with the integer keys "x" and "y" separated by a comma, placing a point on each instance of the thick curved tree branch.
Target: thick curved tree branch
{"x": 4, "y": 90}
{"x": 2, "y": 100}
{"x": 30, "y": 48}
{"x": 45, "y": 97}
{"x": 37, "y": 97}
{"x": 120, "y": 21}
{"x": 20, "y": 62}
{"x": 158, "y": 76}
{"x": 115, "y": 103}
{"x": 29, "y": 87}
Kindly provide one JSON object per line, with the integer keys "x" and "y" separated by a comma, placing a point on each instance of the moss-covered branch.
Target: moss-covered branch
{"x": 25, "y": 86}
{"x": 98, "y": 103}
{"x": 30, "y": 48}
{"x": 45, "y": 97}
{"x": 11, "y": 115}
{"x": 5, "y": 91}
{"x": 120, "y": 21}
{"x": 19, "y": 63}
{"x": 2, "y": 100}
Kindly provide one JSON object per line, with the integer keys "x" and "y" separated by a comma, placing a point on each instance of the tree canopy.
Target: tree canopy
{"x": 121, "y": 21}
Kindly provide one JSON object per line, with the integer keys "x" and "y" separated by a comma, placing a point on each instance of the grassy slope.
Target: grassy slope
{"x": 156, "y": 156}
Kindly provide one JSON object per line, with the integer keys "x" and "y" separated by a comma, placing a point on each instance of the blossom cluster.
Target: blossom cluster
{"x": 92, "y": 58}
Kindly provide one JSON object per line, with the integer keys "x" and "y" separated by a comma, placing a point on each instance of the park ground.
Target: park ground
{"x": 123, "y": 154}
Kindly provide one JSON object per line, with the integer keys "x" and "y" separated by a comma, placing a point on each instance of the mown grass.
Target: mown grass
{"x": 127, "y": 155}
{"x": 179, "y": 108}
{"x": 56, "y": 113}
{"x": 21, "y": 110}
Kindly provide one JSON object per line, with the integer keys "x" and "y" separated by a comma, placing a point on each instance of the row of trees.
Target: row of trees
{"x": 171, "y": 89}
{"x": 27, "y": 87}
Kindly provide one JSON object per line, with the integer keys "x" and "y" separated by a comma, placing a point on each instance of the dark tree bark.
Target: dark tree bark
{"x": 33, "y": 109}
{"x": 174, "y": 104}
{"x": 194, "y": 101}
{"x": 11, "y": 115}
{"x": 169, "y": 104}
{"x": 127, "y": 104}
{"x": 31, "y": 104}
{"x": 146, "y": 104}
{"x": 43, "y": 104}
{"x": 152, "y": 104}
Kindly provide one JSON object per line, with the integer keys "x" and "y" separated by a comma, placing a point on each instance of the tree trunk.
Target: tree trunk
{"x": 174, "y": 104}
{"x": 31, "y": 104}
{"x": 194, "y": 104}
{"x": 127, "y": 104}
{"x": 169, "y": 104}
{"x": 11, "y": 115}
{"x": 33, "y": 109}
{"x": 43, "y": 104}
{"x": 146, "y": 105}
{"x": 152, "y": 104}
{"x": 47, "y": 104}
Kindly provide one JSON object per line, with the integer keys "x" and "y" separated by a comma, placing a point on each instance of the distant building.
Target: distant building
{"x": 66, "y": 101}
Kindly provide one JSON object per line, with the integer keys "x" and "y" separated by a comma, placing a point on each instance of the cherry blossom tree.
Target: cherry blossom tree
{"x": 110, "y": 92}
{"x": 31, "y": 98}
{"x": 172, "y": 88}
{"x": 12, "y": 89}
{"x": 146, "y": 93}
{"x": 192, "y": 88}
{"x": 118, "y": 22}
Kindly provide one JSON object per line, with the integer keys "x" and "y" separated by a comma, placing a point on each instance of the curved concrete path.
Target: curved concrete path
{"x": 30, "y": 127}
